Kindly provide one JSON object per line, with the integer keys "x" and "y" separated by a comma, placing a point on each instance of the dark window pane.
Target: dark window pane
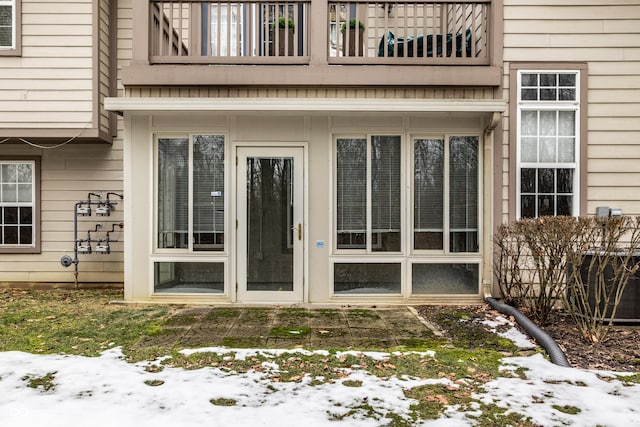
{"x": 26, "y": 216}
{"x": 6, "y": 16}
{"x": 546, "y": 205}
{"x": 6, "y": 37}
{"x": 565, "y": 205}
{"x": 427, "y": 240}
{"x": 10, "y": 215}
{"x": 528, "y": 181}
{"x": 528, "y": 206}
{"x": 11, "y": 235}
{"x": 565, "y": 180}
{"x": 567, "y": 95}
{"x": 529, "y": 94}
{"x": 548, "y": 94}
{"x": 352, "y": 240}
{"x": 444, "y": 279}
{"x": 188, "y": 277}
{"x": 529, "y": 79}
{"x": 463, "y": 241}
{"x": 26, "y": 235}
{"x": 546, "y": 180}
{"x": 363, "y": 278}
{"x": 567, "y": 79}
{"x": 548, "y": 79}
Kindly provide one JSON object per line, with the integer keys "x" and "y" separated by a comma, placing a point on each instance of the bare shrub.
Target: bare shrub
{"x": 508, "y": 263}
{"x": 548, "y": 240}
{"x": 599, "y": 268}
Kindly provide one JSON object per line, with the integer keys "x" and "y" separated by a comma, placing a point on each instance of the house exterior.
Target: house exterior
{"x": 307, "y": 151}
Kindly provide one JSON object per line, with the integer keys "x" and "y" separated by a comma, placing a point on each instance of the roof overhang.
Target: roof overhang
{"x": 301, "y": 105}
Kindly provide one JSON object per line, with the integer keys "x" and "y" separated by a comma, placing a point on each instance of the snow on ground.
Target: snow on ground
{"x": 108, "y": 391}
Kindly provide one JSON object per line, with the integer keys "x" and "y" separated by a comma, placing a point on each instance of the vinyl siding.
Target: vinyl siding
{"x": 605, "y": 35}
{"x": 50, "y": 85}
{"x": 68, "y": 174}
{"x": 53, "y": 86}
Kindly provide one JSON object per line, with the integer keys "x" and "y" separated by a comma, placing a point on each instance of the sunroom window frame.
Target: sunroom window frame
{"x": 576, "y": 106}
{"x": 369, "y": 249}
{"x": 189, "y": 250}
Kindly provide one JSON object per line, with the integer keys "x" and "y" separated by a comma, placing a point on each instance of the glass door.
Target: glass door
{"x": 270, "y": 224}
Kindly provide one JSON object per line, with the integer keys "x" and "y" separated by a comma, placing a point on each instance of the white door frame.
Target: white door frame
{"x": 298, "y": 233}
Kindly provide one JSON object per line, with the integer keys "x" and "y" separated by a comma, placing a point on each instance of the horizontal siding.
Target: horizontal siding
{"x": 50, "y": 85}
{"x": 68, "y": 174}
{"x": 605, "y": 35}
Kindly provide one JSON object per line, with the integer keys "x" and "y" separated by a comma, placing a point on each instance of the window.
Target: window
{"x": 19, "y": 197}
{"x": 368, "y": 193}
{"x": 10, "y": 27}
{"x": 377, "y": 235}
{"x": 445, "y": 193}
{"x": 548, "y": 126}
{"x": 191, "y": 193}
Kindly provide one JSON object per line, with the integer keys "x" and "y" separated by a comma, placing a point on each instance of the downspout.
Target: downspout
{"x": 554, "y": 351}
{"x": 487, "y": 206}
{"x": 552, "y": 348}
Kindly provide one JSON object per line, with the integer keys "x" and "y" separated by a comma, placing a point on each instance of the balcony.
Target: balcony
{"x": 311, "y": 38}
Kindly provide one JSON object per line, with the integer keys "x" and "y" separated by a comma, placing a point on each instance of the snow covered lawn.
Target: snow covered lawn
{"x": 64, "y": 390}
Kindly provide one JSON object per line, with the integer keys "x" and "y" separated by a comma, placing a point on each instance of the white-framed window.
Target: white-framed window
{"x": 378, "y": 231}
{"x": 190, "y": 193}
{"x": 446, "y": 174}
{"x": 18, "y": 205}
{"x": 8, "y": 24}
{"x": 368, "y": 193}
{"x": 548, "y": 143}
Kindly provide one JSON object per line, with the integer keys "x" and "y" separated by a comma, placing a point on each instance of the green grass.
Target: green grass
{"x": 72, "y": 321}
{"x": 84, "y": 323}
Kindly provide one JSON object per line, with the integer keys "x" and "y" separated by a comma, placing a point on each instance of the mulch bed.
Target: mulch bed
{"x": 619, "y": 352}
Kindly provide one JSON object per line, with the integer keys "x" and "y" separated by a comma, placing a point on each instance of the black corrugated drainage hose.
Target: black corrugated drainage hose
{"x": 551, "y": 347}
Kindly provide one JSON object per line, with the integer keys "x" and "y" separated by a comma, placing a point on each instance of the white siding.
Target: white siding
{"x": 605, "y": 35}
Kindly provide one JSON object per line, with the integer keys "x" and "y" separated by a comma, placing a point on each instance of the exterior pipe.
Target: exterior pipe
{"x": 551, "y": 347}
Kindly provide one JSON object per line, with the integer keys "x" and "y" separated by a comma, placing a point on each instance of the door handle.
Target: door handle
{"x": 299, "y": 229}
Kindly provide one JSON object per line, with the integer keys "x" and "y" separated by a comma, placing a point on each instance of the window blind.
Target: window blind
{"x": 208, "y": 188}
{"x": 385, "y": 183}
{"x": 351, "y": 185}
{"x": 173, "y": 192}
{"x": 463, "y": 193}
{"x": 428, "y": 189}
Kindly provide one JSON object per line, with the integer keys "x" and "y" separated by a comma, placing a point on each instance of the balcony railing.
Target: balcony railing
{"x": 414, "y": 32}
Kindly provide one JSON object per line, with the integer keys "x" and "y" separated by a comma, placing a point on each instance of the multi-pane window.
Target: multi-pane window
{"x": 369, "y": 193}
{"x": 190, "y": 193}
{"x": 445, "y": 193}
{"x": 17, "y": 203}
{"x": 7, "y": 24}
{"x": 548, "y": 123}
{"x": 374, "y": 226}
